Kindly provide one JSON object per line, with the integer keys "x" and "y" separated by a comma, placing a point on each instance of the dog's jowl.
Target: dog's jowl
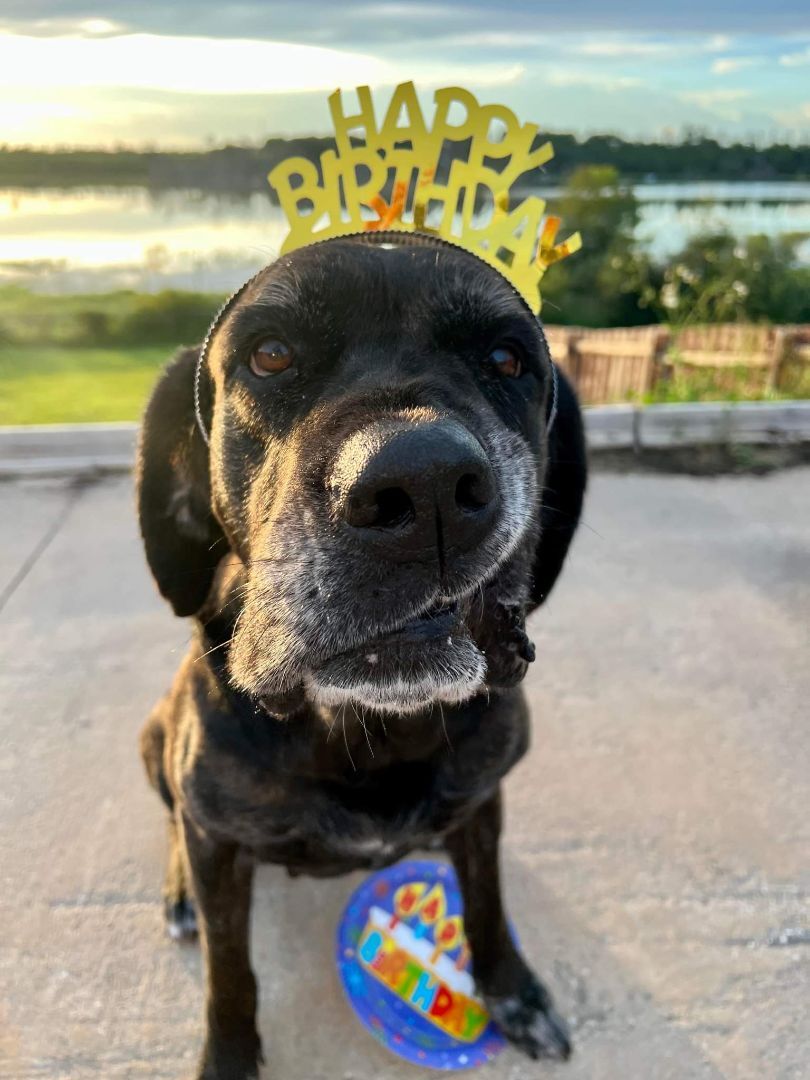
{"x": 358, "y": 494}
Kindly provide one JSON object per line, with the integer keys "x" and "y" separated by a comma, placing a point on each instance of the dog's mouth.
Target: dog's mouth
{"x": 430, "y": 658}
{"x": 431, "y": 625}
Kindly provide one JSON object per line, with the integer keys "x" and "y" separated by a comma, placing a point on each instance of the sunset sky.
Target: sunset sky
{"x": 186, "y": 73}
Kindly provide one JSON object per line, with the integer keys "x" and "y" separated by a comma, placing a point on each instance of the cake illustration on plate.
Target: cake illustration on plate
{"x": 413, "y": 960}
{"x": 405, "y": 964}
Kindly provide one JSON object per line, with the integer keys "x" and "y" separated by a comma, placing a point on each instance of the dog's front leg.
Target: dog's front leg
{"x": 222, "y": 877}
{"x": 517, "y": 1001}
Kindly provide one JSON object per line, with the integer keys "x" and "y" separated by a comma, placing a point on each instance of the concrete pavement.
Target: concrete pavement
{"x": 656, "y": 855}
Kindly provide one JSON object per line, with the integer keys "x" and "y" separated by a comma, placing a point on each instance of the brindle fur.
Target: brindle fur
{"x": 255, "y": 770}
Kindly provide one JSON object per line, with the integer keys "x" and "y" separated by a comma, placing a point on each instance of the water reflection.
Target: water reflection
{"x": 95, "y": 239}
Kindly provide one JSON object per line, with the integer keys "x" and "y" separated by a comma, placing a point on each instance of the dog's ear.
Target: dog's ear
{"x": 563, "y": 491}
{"x": 183, "y": 540}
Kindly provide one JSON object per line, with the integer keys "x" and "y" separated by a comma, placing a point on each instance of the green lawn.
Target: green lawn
{"x": 51, "y": 384}
{"x": 71, "y": 359}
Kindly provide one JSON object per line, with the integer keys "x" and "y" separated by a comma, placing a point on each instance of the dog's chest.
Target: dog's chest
{"x": 329, "y": 827}
{"x": 321, "y": 804}
{"x": 334, "y": 822}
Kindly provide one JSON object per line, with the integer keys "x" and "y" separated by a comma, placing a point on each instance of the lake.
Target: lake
{"x": 104, "y": 238}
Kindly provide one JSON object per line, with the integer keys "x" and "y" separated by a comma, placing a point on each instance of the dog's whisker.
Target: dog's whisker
{"x": 345, "y": 738}
{"x": 444, "y": 725}
{"x": 213, "y": 649}
{"x": 574, "y": 518}
{"x": 362, "y": 720}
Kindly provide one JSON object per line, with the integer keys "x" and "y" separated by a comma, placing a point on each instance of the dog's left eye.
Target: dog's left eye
{"x": 270, "y": 358}
{"x": 506, "y": 362}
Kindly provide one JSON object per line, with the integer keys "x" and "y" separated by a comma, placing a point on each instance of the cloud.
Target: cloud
{"x": 133, "y": 75}
{"x": 495, "y": 39}
{"x": 718, "y": 42}
{"x": 608, "y": 46}
{"x": 796, "y": 59}
{"x": 62, "y": 26}
{"x": 719, "y": 102}
{"x": 354, "y": 23}
{"x": 215, "y": 65}
{"x": 713, "y": 97}
{"x": 99, "y": 26}
{"x": 728, "y": 64}
{"x": 20, "y": 118}
{"x": 613, "y": 46}
{"x": 592, "y": 79}
{"x": 408, "y": 11}
{"x": 621, "y": 46}
{"x": 793, "y": 118}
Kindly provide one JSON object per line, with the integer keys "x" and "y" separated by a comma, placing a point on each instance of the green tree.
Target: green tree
{"x": 719, "y": 278}
{"x": 608, "y": 282}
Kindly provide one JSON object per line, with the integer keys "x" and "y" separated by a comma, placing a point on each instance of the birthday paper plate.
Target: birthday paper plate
{"x": 405, "y": 966}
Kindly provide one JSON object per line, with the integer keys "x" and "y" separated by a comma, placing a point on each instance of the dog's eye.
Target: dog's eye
{"x": 270, "y": 358}
{"x": 506, "y": 362}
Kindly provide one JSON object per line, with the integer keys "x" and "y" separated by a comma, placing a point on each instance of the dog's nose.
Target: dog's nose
{"x": 415, "y": 490}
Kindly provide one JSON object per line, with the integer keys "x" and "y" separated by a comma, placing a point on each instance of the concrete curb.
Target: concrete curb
{"x": 66, "y": 449}
{"x": 631, "y": 427}
{"x": 77, "y": 449}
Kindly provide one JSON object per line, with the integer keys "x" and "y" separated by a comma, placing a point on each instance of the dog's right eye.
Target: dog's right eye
{"x": 270, "y": 358}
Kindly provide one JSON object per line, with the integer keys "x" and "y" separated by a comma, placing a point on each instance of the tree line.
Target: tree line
{"x": 242, "y": 170}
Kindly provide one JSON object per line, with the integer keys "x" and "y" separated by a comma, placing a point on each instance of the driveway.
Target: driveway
{"x": 657, "y": 853}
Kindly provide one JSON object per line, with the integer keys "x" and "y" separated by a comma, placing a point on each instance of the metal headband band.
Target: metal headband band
{"x": 220, "y": 315}
{"x": 203, "y": 357}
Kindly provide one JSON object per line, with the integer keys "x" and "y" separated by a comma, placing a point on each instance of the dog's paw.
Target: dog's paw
{"x": 232, "y": 1071}
{"x": 530, "y": 1022}
{"x": 210, "y": 1070}
{"x": 181, "y": 919}
{"x": 231, "y": 1059}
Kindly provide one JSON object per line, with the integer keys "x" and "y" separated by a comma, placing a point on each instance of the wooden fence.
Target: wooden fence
{"x": 628, "y": 363}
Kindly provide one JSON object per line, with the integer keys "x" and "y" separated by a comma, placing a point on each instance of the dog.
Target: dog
{"x": 358, "y": 491}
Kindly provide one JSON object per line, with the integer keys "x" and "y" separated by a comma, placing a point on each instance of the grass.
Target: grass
{"x": 83, "y": 358}
{"x": 52, "y": 384}
{"x": 730, "y": 384}
{"x": 61, "y": 384}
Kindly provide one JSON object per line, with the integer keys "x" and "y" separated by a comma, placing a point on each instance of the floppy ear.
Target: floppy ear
{"x": 183, "y": 540}
{"x": 563, "y": 491}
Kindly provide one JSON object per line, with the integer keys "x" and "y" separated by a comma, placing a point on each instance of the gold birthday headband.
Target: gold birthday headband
{"x": 429, "y": 187}
{"x": 407, "y": 160}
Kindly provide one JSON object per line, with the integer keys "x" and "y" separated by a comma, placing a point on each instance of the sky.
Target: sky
{"x": 190, "y": 73}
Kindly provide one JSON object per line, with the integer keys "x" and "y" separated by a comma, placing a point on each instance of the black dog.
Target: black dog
{"x": 384, "y": 499}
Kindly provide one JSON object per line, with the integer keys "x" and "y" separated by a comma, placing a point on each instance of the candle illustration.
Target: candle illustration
{"x": 406, "y": 901}
{"x": 463, "y": 956}
{"x": 446, "y": 936}
{"x": 432, "y": 908}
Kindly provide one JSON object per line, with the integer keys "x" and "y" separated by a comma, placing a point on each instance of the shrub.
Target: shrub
{"x": 717, "y": 278}
{"x": 92, "y": 328}
{"x": 168, "y": 318}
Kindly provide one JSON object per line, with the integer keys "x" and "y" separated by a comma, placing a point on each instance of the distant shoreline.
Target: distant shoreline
{"x": 243, "y": 169}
